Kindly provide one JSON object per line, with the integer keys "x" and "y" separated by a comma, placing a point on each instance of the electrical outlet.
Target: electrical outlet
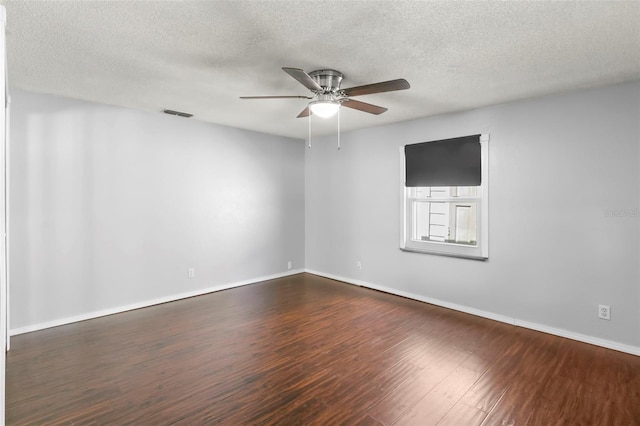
{"x": 289, "y": 265}
{"x": 191, "y": 272}
{"x": 358, "y": 264}
{"x": 604, "y": 312}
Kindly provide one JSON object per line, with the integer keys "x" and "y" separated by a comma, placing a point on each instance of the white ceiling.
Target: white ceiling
{"x": 199, "y": 56}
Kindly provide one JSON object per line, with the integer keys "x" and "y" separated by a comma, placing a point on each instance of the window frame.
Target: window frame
{"x": 478, "y": 252}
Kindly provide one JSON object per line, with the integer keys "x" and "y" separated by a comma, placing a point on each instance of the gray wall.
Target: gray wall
{"x": 557, "y": 166}
{"x": 109, "y": 207}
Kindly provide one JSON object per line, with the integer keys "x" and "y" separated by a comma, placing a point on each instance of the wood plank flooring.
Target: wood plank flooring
{"x": 308, "y": 350}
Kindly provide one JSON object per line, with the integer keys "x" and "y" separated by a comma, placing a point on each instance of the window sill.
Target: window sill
{"x": 439, "y": 253}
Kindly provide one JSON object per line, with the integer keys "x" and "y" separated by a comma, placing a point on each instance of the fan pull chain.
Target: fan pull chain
{"x": 309, "y": 130}
{"x": 338, "y": 129}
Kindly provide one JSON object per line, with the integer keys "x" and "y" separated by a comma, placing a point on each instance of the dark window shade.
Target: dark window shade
{"x": 447, "y": 162}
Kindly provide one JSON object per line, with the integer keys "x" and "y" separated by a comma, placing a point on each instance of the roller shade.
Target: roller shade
{"x": 446, "y": 162}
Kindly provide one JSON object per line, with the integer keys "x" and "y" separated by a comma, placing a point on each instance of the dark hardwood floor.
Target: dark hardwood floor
{"x": 308, "y": 350}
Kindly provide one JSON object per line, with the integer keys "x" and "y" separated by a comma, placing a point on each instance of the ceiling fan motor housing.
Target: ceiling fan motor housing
{"x": 328, "y": 96}
{"x": 329, "y": 80}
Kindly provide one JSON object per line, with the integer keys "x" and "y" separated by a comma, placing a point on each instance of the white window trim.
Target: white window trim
{"x": 479, "y": 252}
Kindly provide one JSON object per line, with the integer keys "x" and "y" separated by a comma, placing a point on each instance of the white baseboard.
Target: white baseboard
{"x": 621, "y": 347}
{"x": 485, "y": 314}
{"x": 146, "y": 303}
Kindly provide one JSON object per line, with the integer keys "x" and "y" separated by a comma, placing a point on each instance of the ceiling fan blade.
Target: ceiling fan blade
{"x": 303, "y": 78}
{"x": 305, "y": 113}
{"x": 385, "y": 86}
{"x": 275, "y": 97}
{"x": 363, "y": 106}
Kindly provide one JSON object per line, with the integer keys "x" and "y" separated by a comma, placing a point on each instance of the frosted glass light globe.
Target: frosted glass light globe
{"x": 324, "y": 109}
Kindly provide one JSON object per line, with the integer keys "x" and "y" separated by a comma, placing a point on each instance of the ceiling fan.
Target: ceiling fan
{"x": 328, "y": 96}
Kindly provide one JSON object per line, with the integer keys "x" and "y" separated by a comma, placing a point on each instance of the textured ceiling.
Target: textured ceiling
{"x": 198, "y": 56}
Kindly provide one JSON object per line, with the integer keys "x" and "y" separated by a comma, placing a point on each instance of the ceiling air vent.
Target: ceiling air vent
{"x": 178, "y": 113}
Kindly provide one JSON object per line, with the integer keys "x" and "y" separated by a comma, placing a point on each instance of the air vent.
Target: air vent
{"x": 178, "y": 113}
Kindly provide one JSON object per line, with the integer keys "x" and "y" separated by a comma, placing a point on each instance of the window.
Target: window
{"x": 445, "y": 197}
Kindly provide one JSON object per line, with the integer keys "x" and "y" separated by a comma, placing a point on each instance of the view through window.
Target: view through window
{"x": 445, "y": 214}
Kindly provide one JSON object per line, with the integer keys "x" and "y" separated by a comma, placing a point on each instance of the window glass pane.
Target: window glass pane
{"x": 465, "y": 224}
{"x": 466, "y": 191}
{"x": 441, "y": 221}
{"x": 419, "y": 192}
{"x": 438, "y": 208}
{"x": 421, "y": 220}
{"x": 440, "y": 191}
{"x": 443, "y": 192}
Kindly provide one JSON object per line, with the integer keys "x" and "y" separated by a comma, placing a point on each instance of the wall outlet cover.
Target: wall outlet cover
{"x": 604, "y": 312}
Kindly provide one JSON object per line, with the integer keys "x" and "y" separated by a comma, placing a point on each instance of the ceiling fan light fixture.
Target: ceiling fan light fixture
{"x": 324, "y": 108}
{"x": 328, "y": 97}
